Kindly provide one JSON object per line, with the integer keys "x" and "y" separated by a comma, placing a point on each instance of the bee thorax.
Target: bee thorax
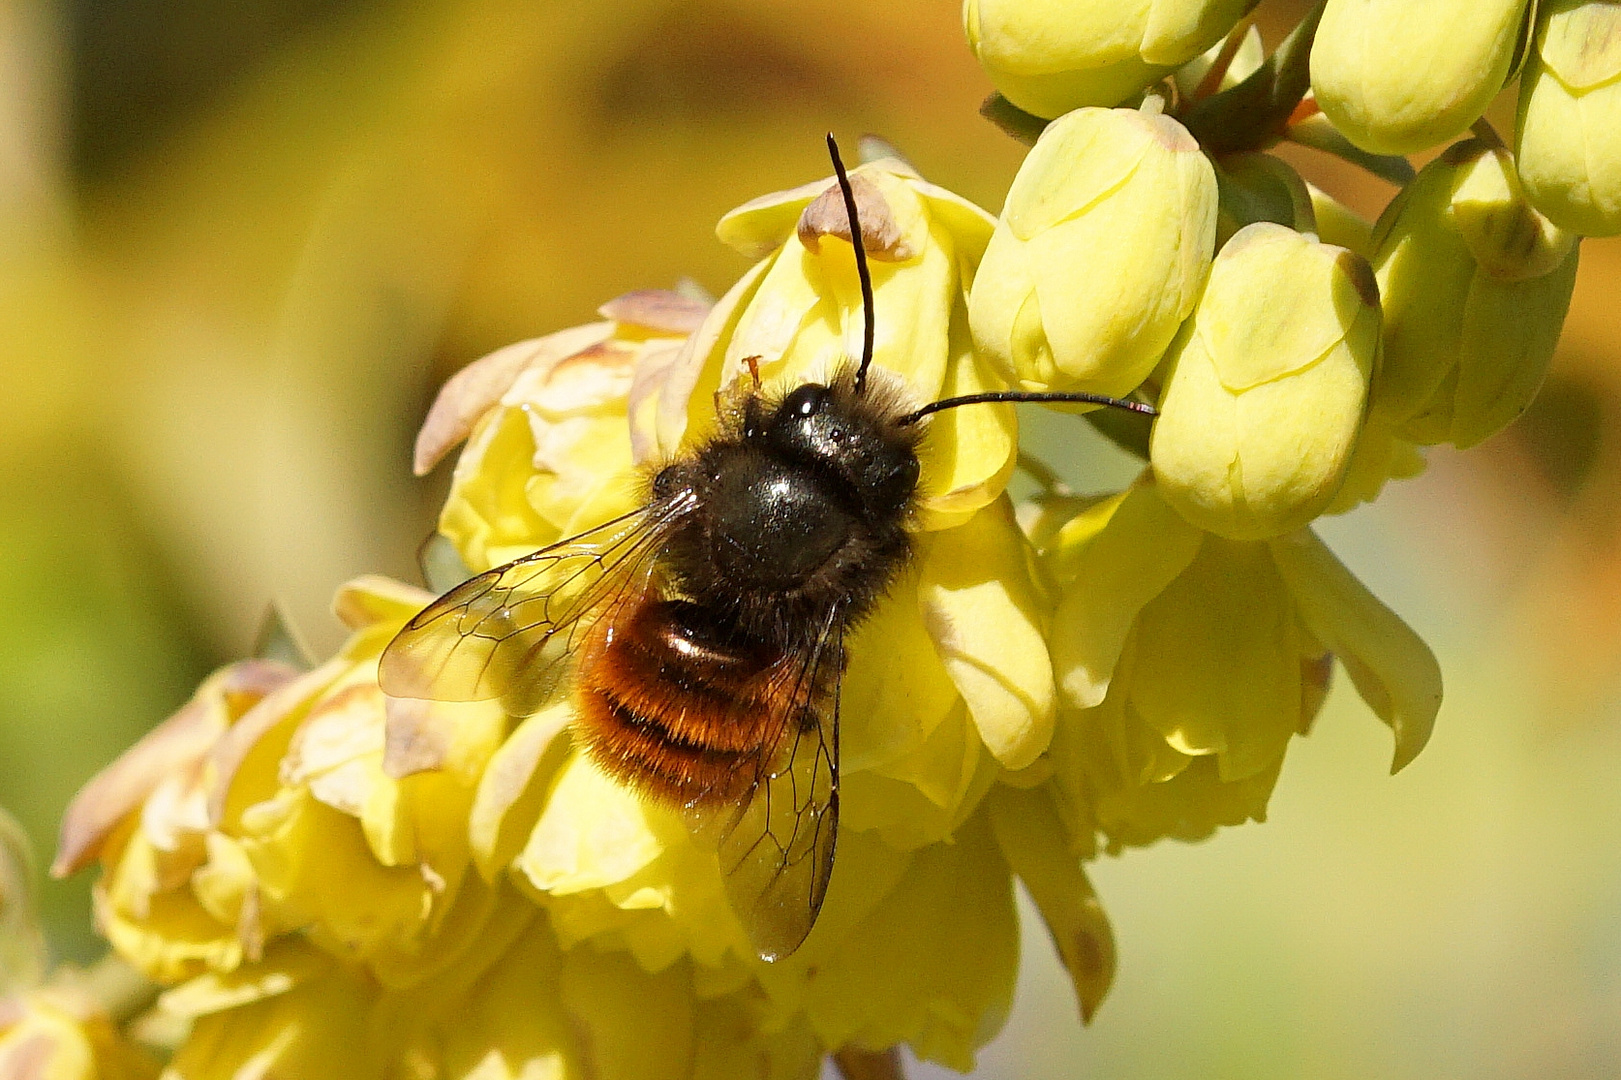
{"x": 774, "y": 525}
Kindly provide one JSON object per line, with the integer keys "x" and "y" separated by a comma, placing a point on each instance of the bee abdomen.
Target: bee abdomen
{"x": 668, "y": 708}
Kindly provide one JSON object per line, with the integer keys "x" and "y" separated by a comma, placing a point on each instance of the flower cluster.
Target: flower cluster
{"x": 333, "y": 882}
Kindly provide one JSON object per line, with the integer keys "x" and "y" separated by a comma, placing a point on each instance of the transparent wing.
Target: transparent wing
{"x": 510, "y": 633}
{"x": 776, "y": 849}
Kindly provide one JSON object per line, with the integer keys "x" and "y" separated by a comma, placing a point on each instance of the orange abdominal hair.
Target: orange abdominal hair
{"x": 685, "y": 721}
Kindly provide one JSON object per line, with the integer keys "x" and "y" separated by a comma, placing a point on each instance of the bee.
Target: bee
{"x": 702, "y": 636}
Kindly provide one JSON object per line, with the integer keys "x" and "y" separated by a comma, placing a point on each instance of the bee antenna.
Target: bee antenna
{"x": 869, "y": 309}
{"x": 1072, "y": 398}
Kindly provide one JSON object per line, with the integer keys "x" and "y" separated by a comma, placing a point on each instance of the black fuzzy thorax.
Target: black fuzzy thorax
{"x": 799, "y": 505}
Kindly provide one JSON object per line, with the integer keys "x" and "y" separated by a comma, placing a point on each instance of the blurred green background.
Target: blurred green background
{"x": 241, "y": 244}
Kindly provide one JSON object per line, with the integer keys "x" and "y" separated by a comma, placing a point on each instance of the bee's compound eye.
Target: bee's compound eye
{"x": 806, "y": 400}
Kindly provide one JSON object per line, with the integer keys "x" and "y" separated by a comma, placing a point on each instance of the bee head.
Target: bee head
{"x": 840, "y": 431}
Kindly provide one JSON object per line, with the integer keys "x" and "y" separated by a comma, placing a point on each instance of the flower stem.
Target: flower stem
{"x": 1252, "y": 115}
{"x": 1487, "y": 134}
{"x": 854, "y": 1064}
{"x": 1224, "y": 60}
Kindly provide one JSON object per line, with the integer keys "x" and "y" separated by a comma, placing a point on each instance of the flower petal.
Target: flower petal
{"x": 897, "y": 690}
{"x": 512, "y": 791}
{"x": 970, "y": 452}
{"x": 476, "y": 388}
{"x": 1394, "y": 671}
{"x": 594, "y": 832}
{"x": 979, "y": 603}
{"x": 173, "y": 746}
{"x": 1117, "y": 556}
{"x": 1218, "y": 662}
{"x": 1031, "y": 836}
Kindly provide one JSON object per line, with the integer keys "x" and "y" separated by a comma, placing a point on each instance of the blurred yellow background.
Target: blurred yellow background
{"x": 241, "y": 244}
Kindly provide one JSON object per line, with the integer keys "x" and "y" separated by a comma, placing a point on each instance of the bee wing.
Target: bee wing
{"x": 776, "y": 851}
{"x": 509, "y": 633}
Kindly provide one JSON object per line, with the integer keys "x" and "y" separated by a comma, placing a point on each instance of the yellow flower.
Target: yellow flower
{"x": 516, "y": 1005}
{"x": 546, "y": 453}
{"x": 918, "y": 947}
{"x": 1396, "y": 77}
{"x": 929, "y": 961}
{"x": 1569, "y": 130}
{"x": 274, "y": 803}
{"x": 1267, "y": 385}
{"x": 949, "y": 684}
{"x": 177, "y": 898}
{"x": 1048, "y": 57}
{"x": 1189, "y": 661}
{"x": 1475, "y": 284}
{"x": 798, "y": 315}
{"x": 1100, "y": 253}
{"x": 60, "y": 1032}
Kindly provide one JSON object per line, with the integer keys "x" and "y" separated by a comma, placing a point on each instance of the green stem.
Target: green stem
{"x": 1252, "y": 115}
{"x": 856, "y": 1064}
{"x": 1487, "y": 134}
{"x": 1300, "y": 200}
{"x": 1224, "y": 60}
{"x": 1013, "y": 120}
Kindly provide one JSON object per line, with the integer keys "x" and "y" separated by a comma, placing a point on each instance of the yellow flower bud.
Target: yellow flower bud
{"x": 1396, "y": 76}
{"x": 1049, "y": 56}
{"x": 1266, "y": 385}
{"x": 1380, "y": 456}
{"x": 279, "y": 804}
{"x": 1100, "y": 253}
{"x": 1189, "y": 661}
{"x": 1339, "y": 224}
{"x": 1475, "y": 284}
{"x": 1569, "y": 130}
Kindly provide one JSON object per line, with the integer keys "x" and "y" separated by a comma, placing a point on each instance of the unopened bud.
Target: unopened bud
{"x": 1267, "y": 384}
{"x": 1476, "y": 284}
{"x": 1051, "y": 56}
{"x": 1569, "y": 146}
{"x": 1099, "y": 255}
{"x": 1396, "y": 76}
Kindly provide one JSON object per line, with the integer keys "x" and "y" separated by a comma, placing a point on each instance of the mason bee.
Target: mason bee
{"x": 702, "y": 636}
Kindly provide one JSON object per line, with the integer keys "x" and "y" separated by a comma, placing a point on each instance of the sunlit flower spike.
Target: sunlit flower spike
{"x": 758, "y": 679}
